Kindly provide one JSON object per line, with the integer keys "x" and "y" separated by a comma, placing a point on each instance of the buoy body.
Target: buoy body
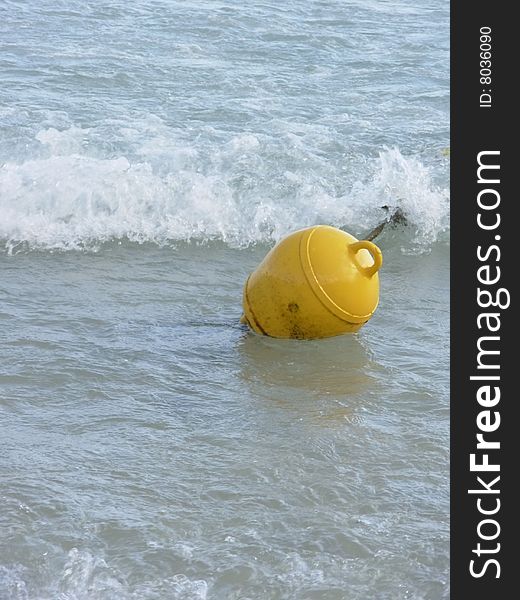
{"x": 317, "y": 282}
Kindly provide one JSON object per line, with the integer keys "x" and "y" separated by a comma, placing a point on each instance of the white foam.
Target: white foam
{"x": 12, "y": 583}
{"x": 244, "y": 190}
{"x": 406, "y": 183}
{"x": 86, "y": 576}
{"x": 177, "y": 587}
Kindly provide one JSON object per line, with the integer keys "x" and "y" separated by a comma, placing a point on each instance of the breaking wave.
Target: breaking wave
{"x": 245, "y": 190}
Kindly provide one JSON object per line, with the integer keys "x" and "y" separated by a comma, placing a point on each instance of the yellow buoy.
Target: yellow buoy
{"x": 317, "y": 282}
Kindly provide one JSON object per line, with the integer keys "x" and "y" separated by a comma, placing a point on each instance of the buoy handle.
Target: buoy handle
{"x": 375, "y": 253}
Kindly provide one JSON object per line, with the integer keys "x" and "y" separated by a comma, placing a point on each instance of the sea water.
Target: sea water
{"x": 151, "y": 153}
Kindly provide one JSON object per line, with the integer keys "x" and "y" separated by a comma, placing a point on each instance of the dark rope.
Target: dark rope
{"x": 396, "y": 218}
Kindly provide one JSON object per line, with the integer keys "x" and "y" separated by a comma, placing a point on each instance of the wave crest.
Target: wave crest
{"x": 246, "y": 190}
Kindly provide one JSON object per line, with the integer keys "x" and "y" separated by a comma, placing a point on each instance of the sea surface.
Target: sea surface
{"x": 151, "y": 153}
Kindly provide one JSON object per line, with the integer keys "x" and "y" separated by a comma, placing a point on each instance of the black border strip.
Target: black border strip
{"x": 479, "y": 126}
